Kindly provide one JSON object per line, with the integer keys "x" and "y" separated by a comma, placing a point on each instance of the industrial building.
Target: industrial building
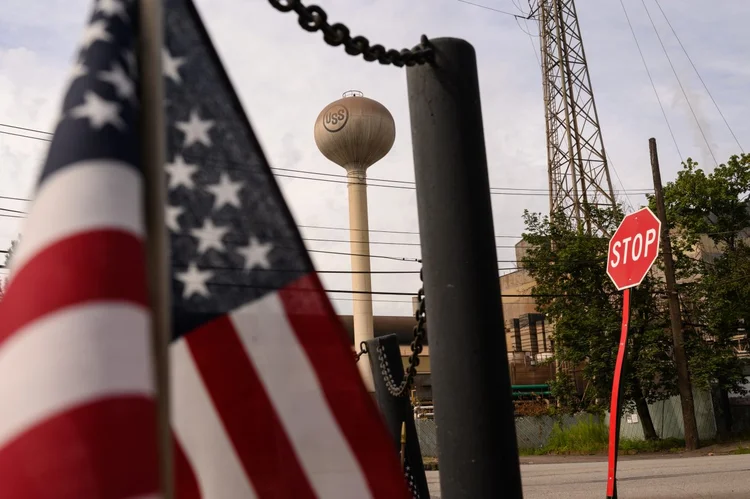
{"x": 528, "y": 337}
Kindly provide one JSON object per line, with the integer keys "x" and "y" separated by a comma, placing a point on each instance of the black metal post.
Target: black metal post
{"x": 477, "y": 448}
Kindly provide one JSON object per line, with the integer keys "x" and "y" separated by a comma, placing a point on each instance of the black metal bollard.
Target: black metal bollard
{"x": 477, "y": 449}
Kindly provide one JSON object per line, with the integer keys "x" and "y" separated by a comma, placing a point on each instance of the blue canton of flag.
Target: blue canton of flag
{"x": 76, "y": 384}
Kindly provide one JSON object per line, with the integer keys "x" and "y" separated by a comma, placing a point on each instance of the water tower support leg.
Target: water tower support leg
{"x": 476, "y": 434}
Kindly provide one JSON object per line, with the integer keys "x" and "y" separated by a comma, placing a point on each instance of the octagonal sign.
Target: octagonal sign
{"x": 633, "y": 249}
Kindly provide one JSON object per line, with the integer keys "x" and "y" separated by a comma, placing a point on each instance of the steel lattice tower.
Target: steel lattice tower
{"x": 577, "y": 163}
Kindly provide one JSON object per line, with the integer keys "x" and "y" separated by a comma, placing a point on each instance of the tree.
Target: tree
{"x": 8, "y": 255}
{"x": 574, "y": 292}
{"x": 710, "y": 212}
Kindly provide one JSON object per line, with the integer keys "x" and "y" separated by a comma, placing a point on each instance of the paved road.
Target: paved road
{"x": 715, "y": 477}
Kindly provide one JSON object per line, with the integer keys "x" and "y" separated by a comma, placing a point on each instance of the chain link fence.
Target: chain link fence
{"x": 533, "y": 432}
{"x": 667, "y": 418}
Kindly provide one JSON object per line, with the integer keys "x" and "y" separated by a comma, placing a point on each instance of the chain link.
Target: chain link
{"x": 362, "y": 351}
{"x": 314, "y": 18}
{"x": 420, "y": 332}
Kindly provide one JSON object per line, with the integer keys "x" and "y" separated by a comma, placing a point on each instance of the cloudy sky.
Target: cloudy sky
{"x": 285, "y": 76}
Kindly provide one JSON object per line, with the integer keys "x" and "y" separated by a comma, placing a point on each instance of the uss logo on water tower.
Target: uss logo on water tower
{"x": 335, "y": 118}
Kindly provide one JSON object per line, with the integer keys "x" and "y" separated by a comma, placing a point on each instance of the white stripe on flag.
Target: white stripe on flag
{"x": 95, "y": 194}
{"x": 201, "y": 433}
{"x": 293, "y": 387}
{"x": 70, "y": 357}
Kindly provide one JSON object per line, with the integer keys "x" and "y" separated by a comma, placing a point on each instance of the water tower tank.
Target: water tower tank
{"x": 355, "y": 132}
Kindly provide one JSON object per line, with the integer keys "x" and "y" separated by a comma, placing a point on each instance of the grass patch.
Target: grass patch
{"x": 591, "y": 436}
{"x": 741, "y": 450}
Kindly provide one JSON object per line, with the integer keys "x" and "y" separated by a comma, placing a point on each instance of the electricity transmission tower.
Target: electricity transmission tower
{"x": 577, "y": 163}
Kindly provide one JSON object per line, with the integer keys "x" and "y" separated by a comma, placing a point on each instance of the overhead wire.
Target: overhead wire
{"x": 18, "y": 213}
{"x": 401, "y": 184}
{"x": 323, "y": 227}
{"x": 382, "y": 243}
{"x": 679, "y": 82}
{"x": 651, "y": 79}
{"x": 684, "y": 50}
{"x": 492, "y": 9}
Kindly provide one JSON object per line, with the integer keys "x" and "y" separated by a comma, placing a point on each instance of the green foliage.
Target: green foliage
{"x": 8, "y": 255}
{"x": 710, "y": 212}
{"x": 591, "y": 436}
{"x": 587, "y": 436}
{"x": 576, "y": 295}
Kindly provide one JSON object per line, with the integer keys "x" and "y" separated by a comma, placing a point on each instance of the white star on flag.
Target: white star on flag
{"x": 113, "y": 8}
{"x": 98, "y": 111}
{"x": 171, "y": 215}
{"x": 256, "y": 254}
{"x": 194, "y": 280}
{"x": 209, "y": 236}
{"x": 195, "y": 129}
{"x": 124, "y": 86}
{"x": 79, "y": 69}
{"x": 171, "y": 65}
{"x": 180, "y": 173}
{"x": 225, "y": 192}
{"x": 96, "y": 31}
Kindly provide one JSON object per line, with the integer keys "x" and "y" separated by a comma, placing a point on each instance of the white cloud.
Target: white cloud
{"x": 285, "y": 76}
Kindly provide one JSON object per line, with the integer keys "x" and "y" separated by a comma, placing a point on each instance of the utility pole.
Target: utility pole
{"x": 683, "y": 375}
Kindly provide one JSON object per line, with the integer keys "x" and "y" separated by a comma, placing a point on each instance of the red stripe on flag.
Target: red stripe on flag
{"x": 97, "y": 265}
{"x": 102, "y": 450}
{"x": 246, "y": 412}
{"x": 327, "y": 346}
{"x": 186, "y": 483}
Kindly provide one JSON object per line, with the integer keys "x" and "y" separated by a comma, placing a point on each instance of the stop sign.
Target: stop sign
{"x": 633, "y": 248}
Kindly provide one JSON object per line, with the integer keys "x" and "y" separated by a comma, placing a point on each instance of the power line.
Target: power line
{"x": 14, "y": 211}
{"x": 14, "y": 198}
{"x": 404, "y": 184}
{"x": 699, "y": 76}
{"x": 24, "y": 136}
{"x": 384, "y": 257}
{"x": 379, "y": 231}
{"x": 319, "y": 227}
{"x": 25, "y": 129}
{"x": 493, "y": 9}
{"x": 386, "y": 243}
{"x": 679, "y": 82}
{"x": 653, "y": 85}
{"x": 4, "y": 215}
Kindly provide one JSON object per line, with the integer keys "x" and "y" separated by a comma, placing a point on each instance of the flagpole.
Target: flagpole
{"x": 153, "y": 157}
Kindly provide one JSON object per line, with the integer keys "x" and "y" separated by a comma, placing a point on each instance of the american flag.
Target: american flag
{"x": 265, "y": 398}
{"x": 76, "y": 384}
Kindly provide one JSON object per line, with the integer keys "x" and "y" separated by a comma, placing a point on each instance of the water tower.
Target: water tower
{"x": 356, "y": 132}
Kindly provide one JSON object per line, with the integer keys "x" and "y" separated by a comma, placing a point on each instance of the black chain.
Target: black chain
{"x": 314, "y": 18}
{"x": 420, "y": 332}
{"x": 362, "y": 351}
{"x": 416, "y": 348}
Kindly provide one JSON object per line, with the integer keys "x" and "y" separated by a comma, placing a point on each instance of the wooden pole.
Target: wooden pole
{"x": 153, "y": 147}
{"x": 675, "y": 316}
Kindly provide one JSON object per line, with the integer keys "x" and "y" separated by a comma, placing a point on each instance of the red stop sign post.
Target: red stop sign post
{"x": 632, "y": 251}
